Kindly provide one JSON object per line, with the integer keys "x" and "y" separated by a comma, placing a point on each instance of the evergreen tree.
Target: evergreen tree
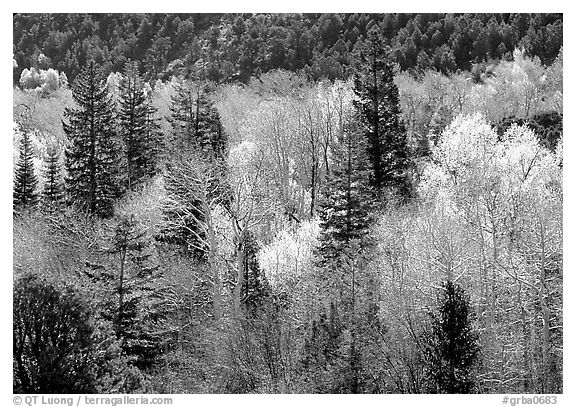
{"x": 345, "y": 220}
{"x": 452, "y": 346}
{"x": 196, "y": 121}
{"x": 138, "y": 126}
{"x": 198, "y": 132}
{"x": 322, "y": 355}
{"x": 183, "y": 115}
{"x": 210, "y": 134}
{"x": 378, "y": 105}
{"x": 53, "y": 190}
{"x": 25, "y": 181}
{"x": 61, "y": 346}
{"x": 91, "y": 158}
{"x": 154, "y": 136}
{"x": 347, "y": 201}
{"x": 255, "y": 288}
{"x": 140, "y": 305}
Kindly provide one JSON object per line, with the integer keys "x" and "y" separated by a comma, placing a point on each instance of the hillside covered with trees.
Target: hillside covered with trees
{"x": 239, "y": 46}
{"x": 316, "y": 203}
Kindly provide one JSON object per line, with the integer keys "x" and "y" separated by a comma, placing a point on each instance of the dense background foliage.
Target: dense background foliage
{"x": 239, "y": 46}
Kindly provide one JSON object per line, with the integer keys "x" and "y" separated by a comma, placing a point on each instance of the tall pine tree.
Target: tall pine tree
{"x": 197, "y": 133}
{"x": 154, "y": 136}
{"x": 138, "y": 127}
{"x": 91, "y": 159}
{"x": 452, "y": 346}
{"x": 25, "y": 182}
{"x": 183, "y": 115}
{"x": 210, "y": 134}
{"x": 53, "y": 190}
{"x": 140, "y": 305}
{"x": 256, "y": 290}
{"x": 378, "y": 105}
{"x": 347, "y": 202}
{"x": 196, "y": 121}
{"x": 346, "y": 215}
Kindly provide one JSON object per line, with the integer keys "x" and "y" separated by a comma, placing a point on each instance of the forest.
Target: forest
{"x": 287, "y": 203}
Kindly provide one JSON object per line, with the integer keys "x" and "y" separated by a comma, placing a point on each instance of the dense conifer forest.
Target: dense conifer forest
{"x": 287, "y": 203}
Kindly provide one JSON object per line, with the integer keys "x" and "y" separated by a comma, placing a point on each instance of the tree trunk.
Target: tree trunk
{"x": 215, "y": 273}
{"x": 240, "y": 264}
{"x": 121, "y": 294}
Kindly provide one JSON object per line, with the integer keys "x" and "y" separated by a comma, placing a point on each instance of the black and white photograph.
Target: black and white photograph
{"x": 280, "y": 203}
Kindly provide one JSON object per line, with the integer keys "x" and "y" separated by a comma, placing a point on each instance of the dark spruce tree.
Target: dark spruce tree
{"x": 197, "y": 133}
{"x": 256, "y": 290}
{"x": 346, "y": 216}
{"x": 195, "y": 120}
{"x": 53, "y": 190}
{"x": 210, "y": 134}
{"x": 347, "y": 200}
{"x": 379, "y": 108}
{"x": 322, "y": 354}
{"x": 138, "y": 127}
{"x": 154, "y": 136}
{"x": 138, "y": 306}
{"x": 183, "y": 114}
{"x": 452, "y": 346}
{"x": 214, "y": 146}
{"x": 25, "y": 182}
{"x": 91, "y": 159}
